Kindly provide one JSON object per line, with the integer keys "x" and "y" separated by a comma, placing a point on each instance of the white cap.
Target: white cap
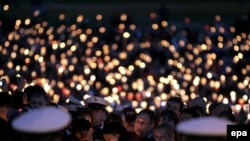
{"x": 42, "y": 120}
{"x": 204, "y": 126}
{"x": 96, "y": 102}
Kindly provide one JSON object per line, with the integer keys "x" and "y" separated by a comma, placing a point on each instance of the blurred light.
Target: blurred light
{"x": 143, "y": 104}
{"x": 152, "y": 15}
{"x": 62, "y": 17}
{"x": 27, "y": 22}
{"x": 99, "y": 17}
{"x": 164, "y": 23}
{"x": 132, "y": 27}
{"x": 126, "y": 35}
{"x": 6, "y": 7}
{"x": 134, "y": 104}
{"x": 123, "y": 17}
{"x": 155, "y": 26}
{"x": 79, "y": 18}
{"x": 102, "y": 29}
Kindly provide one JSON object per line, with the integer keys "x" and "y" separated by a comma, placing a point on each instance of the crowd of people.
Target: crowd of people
{"x": 142, "y": 67}
{"x": 30, "y": 115}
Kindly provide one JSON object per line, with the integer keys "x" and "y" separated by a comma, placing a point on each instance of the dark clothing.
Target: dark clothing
{"x": 98, "y": 134}
{"x": 149, "y": 137}
{"x": 5, "y": 130}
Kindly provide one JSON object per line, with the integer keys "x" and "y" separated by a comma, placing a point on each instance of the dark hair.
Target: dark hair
{"x": 30, "y": 90}
{"x": 114, "y": 127}
{"x": 170, "y": 114}
{"x": 80, "y": 124}
{"x": 168, "y": 128}
{"x": 38, "y": 94}
{"x": 6, "y": 99}
{"x": 82, "y": 112}
{"x": 199, "y": 110}
{"x": 190, "y": 111}
{"x": 177, "y": 100}
{"x": 227, "y": 115}
{"x": 113, "y": 117}
{"x": 151, "y": 114}
{"x": 129, "y": 113}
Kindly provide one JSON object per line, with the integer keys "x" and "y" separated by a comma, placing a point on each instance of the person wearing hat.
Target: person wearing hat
{"x": 97, "y": 107}
{"x": 42, "y": 124}
{"x": 209, "y": 128}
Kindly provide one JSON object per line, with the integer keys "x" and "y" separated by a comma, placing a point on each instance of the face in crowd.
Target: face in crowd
{"x": 38, "y": 100}
{"x": 143, "y": 124}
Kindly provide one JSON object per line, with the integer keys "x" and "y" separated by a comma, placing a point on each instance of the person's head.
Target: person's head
{"x": 114, "y": 131}
{"x": 175, "y": 104}
{"x": 164, "y": 132}
{"x": 82, "y": 129}
{"x": 83, "y": 112}
{"x": 6, "y": 103}
{"x": 221, "y": 108}
{"x": 129, "y": 118}
{"x": 30, "y": 90}
{"x": 97, "y": 107}
{"x": 227, "y": 115}
{"x": 188, "y": 113}
{"x": 43, "y": 124}
{"x": 38, "y": 100}
{"x": 198, "y": 101}
{"x": 144, "y": 122}
{"x": 168, "y": 116}
{"x": 211, "y": 108}
{"x": 111, "y": 117}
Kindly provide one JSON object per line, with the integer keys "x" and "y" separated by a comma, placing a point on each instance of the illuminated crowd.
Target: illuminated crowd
{"x": 129, "y": 64}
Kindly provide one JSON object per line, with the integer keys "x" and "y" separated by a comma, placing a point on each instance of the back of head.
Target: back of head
{"x": 176, "y": 100}
{"x": 170, "y": 114}
{"x": 129, "y": 114}
{"x": 198, "y": 101}
{"x": 80, "y": 124}
{"x": 33, "y": 89}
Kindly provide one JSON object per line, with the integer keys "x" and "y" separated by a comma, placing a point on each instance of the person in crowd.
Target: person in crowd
{"x": 115, "y": 131}
{"x": 175, "y": 104}
{"x": 164, "y": 132}
{"x": 38, "y": 100}
{"x": 113, "y": 116}
{"x": 43, "y": 124}
{"x": 228, "y": 115}
{"x": 168, "y": 116}
{"x": 221, "y": 107}
{"x": 144, "y": 126}
{"x": 188, "y": 113}
{"x": 98, "y": 115}
{"x": 18, "y": 94}
{"x": 129, "y": 121}
{"x": 211, "y": 108}
{"x": 5, "y": 104}
{"x": 198, "y": 101}
{"x": 81, "y": 130}
{"x": 199, "y": 110}
{"x": 83, "y": 112}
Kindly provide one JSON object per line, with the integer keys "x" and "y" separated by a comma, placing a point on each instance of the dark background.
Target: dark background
{"x": 139, "y": 10}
